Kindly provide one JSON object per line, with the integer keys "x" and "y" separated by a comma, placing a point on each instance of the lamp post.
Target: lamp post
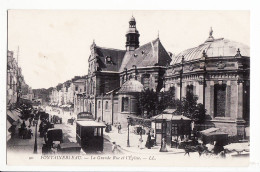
{"x": 35, "y": 142}
{"x": 181, "y": 73}
{"x": 203, "y": 66}
{"x": 128, "y": 123}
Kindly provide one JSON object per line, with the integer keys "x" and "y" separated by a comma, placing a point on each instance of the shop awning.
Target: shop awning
{"x": 18, "y": 110}
{"x": 12, "y": 116}
{"x": 8, "y": 134}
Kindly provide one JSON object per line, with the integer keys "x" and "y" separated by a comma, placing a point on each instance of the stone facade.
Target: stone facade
{"x": 16, "y": 87}
{"x": 221, "y": 68}
{"x": 217, "y": 71}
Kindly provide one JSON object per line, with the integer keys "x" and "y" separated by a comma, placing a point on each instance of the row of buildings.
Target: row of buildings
{"x": 66, "y": 94}
{"x": 16, "y": 87}
{"x": 217, "y": 71}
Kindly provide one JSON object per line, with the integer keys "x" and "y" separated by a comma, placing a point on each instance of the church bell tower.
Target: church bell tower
{"x": 132, "y": 36}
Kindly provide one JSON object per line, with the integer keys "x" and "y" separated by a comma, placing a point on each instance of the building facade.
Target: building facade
{"x": 218, "y": 72}
{"x": 115, "y": 77}
{"x": 16, "y": 87}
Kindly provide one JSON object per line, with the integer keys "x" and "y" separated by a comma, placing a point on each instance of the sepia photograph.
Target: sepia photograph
{"x": 128, "y": 87}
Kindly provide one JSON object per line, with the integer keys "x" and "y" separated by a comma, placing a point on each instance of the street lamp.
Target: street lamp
{"x": 204, "y": 67}
{"x": 35, "y": 142}
{"x": 181, "y": 75}
{"x": 128, "y": 123}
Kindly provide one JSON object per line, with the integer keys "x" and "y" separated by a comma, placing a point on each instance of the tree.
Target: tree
{"x": 190, "y": 108}
{"x": 147, "y": 102}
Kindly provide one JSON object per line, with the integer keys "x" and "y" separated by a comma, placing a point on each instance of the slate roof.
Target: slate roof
{"x": 214, "y": 48}
{"x": 150, "y": 54}
{"x": 115, "y": 55}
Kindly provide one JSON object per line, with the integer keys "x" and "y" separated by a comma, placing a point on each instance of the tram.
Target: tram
{"x": 89, "y": 135}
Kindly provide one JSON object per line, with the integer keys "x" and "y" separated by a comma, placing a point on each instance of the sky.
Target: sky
{"x": 54, "y": 45}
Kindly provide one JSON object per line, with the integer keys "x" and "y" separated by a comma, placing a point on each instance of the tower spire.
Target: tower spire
{"x": 132, "y": 36}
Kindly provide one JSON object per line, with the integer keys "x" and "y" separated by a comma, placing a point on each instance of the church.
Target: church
{"x": 217, "y": 71}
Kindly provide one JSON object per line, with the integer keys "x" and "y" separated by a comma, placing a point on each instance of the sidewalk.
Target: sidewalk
{"x": 121, "y": 141}
{"x": 19, "y": 145}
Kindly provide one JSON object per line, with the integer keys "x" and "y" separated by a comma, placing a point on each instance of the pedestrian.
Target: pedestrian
{"x": 29, "y": 133}
{"x": 148, "y": 142}
{"x": 119, "y": 128}
{"x": 12, "y": 130}
{"x": 107, "y": 129}
{"x": 30, "y": 121}
{"x": 140, "y": 143}
{"x": 23, "y": 126}
{"x": 163, "y": 147}
{"x": 114, "y": 148}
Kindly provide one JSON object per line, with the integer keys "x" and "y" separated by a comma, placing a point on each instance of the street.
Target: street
{"x": 19, "y": 145}
{"x": 69, "y": 131}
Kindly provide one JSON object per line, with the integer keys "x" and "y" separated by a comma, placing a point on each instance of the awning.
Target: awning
{"x": 239, "y": 147}
{"x": 18, "y": 110}
{"x": 8, "y": 134}
{"x": 170, "y": 117}
{"x": 13, "y": 116}
{"x": 209, "y": 130}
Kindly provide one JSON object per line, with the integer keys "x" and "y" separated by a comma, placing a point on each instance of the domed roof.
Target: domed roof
{"x": 131, "y": 86}
{"x": 213, "y": 48}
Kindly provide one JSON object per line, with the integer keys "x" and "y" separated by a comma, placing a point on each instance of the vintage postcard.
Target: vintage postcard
{"x": 128, "y": 88}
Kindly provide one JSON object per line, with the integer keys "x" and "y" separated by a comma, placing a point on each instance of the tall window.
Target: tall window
{"x": 76, "y": 88}
{"x": 172, "y": 91}
{"x": 90, "y": 109}
{"x": 106, "y": 105}
{"x": 146, "y": 80}
{"x": 99, "y": 102}
{"x": 189, "y": 89}
{"x": 87, "y": 87}
{"x": 91, "y": 87}
{"x": 219, "y": 100}
{"x": 125, "y": 104}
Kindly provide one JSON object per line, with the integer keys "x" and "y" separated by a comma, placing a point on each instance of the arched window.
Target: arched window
{"x": 172, "y": 91}
{"x": 106, "y": 105}
{"x": 219, "y": 100}
{"x": 189, "y": 89}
